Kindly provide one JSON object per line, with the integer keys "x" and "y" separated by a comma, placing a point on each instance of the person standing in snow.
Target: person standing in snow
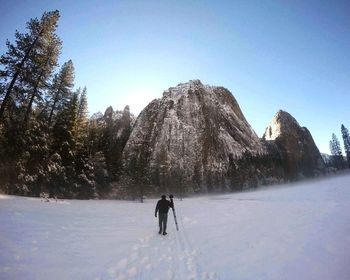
{"x": 162, "y": 207}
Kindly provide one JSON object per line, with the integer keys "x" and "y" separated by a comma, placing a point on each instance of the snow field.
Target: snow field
{"x": 290, "y": 232}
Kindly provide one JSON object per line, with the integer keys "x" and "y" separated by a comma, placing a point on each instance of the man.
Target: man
{"x": 163, "y": 206}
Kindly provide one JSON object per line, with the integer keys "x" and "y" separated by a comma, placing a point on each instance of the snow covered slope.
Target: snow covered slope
{"x": 296, "y": 232}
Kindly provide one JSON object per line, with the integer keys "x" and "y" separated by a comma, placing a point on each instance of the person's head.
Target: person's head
{"x": 163, "y": 196}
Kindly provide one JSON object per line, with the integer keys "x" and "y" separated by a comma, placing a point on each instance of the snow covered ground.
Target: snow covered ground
{"x": 295, "y": 232}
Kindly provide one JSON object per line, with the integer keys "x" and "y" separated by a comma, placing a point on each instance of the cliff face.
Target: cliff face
{"x": 196, "y": 139}
{"x": 109, "y": 133}
{"x": 300, "y": 156}
{"x": 188, "y": 137}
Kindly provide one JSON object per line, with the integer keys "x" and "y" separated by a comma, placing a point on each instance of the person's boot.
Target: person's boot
{"x": 160, "y": 231}
{"x": 164, "y": 233}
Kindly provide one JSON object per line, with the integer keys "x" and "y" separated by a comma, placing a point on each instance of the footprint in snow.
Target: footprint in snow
{"x": 146, "y": 259}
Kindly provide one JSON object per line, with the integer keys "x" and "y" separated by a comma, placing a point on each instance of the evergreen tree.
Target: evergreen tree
{"x": 52, "y": 154}
{"x": 335, "y": 146}
{"x": 60, "y": 90}
{"x": 336, "y": 152}
{"x": 32, "y": 165}
{"x": 82, "y": 118}
{"x": 63, "y": 143}
{"x": 346, "y": 139}
{"x": 97, "y": 157}
{"x": 100, "y": 172}
{"x": 29, "y": 62}
{"x": 84, "y": 166}
{"x": 26, "y": 70}
{"x": 12, "y": 148}
{"x": 41, "y": 68}
{"x": 94, "y": 137}
{"x": 70, "y": 134}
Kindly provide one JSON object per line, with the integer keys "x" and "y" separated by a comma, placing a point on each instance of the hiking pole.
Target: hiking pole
{"x": 174, "y": 213}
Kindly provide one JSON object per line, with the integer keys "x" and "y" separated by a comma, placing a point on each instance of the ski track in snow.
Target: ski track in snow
{"x": 159, "y": 257}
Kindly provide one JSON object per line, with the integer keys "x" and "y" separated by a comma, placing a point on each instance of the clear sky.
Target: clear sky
{"x": 291, "y": 55}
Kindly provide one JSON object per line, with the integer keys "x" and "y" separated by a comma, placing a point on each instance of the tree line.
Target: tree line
{"x": 337, "y": 160}
{"x": 47, "y": 142}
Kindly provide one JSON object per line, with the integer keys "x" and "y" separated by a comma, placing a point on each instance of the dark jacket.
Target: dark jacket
{"x": 163, "y": 206}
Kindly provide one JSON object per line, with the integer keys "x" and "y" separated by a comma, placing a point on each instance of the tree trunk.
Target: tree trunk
{"x": 141, "y": 192}
{"x": 15, "y": 76}
{"x": 26, "y": 117}
{"x": 29, "y": 107}
{"x": 54, "y": 105}
{"x": 35, "y": 91}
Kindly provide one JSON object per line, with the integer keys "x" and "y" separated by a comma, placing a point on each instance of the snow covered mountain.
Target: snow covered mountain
{"x": 187, "y": 138}
{"x": 124, "y": 117}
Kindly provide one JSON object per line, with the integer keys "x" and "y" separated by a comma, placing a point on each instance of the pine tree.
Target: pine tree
{"x": 94, "y": 137}
{"x": 84, "y": 166}
{"x": 108, "y": 142}
{"x": 70, "y": 134}
{"x": 82, "y": 118}
{"x": 57, "y": 181}
{"x": 30, "y": 60}
{"x": 60, "y": 90}
{"x": 346, "y": 139}
{"x": 336, "y": 152}
{"x": 41, "y": 68}
{"x": 52, "y": 153}
{"x": 331, "y": 148}
{"x": 12, "y": 148}
{"x": 335, "y": 146}
{"x": 63, "y": 143}
{"x": 32, "y": 165}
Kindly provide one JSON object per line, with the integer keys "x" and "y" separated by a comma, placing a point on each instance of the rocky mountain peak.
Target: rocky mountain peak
{"x": 126, "y": 117}
{"x": 109, "y": 112}
{"x": 281, "y": 123}
{"x": 177, "y": 92}
{"x": 189, "y": 135}
{"x": 215, "y": 94}
{"x": 96, "y": 116}
{"x": 299, "y": 151}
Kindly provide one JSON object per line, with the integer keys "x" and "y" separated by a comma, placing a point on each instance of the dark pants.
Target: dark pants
{"x": 163, "y": 218}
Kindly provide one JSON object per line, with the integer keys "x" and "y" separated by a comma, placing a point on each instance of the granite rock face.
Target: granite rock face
{"x": 187, "y": 137}
{"x": 110, "y": 132}
{"x": 300, "y": 155}
{"x": 196, "y": 139}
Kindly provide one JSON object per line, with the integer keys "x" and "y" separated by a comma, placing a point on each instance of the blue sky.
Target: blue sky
{"x": 290, "y": 55}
